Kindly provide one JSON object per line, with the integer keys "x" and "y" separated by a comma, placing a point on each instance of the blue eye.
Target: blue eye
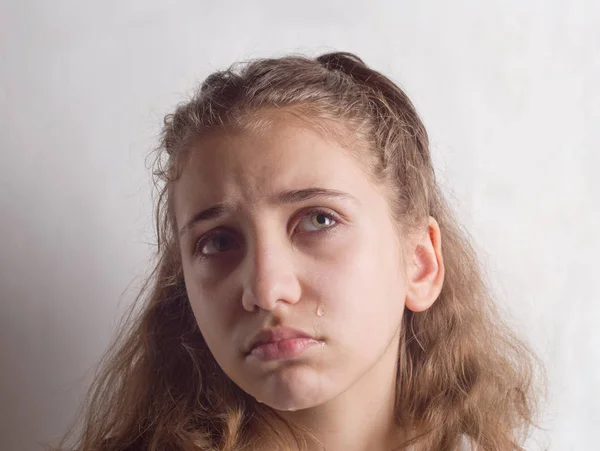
{"x": 322, "y": 220}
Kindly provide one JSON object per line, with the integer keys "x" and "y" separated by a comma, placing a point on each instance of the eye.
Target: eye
{"x": 214, "y": 243}
{"x": 219, "y": 242}
{"x": 320, "y": 219}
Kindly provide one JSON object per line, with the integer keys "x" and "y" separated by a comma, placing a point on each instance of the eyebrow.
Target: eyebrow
{"x": 285, "y": 197}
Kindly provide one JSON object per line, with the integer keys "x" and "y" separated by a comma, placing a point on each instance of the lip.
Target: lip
{"x": 280, "y": 343}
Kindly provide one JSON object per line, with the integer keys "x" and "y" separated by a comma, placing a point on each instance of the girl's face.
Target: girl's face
{"x": 292, "y": 264}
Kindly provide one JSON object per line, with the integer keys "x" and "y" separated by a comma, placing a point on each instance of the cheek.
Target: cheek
{"x": 364, "y": 290}
{"x": 212, "y": 315}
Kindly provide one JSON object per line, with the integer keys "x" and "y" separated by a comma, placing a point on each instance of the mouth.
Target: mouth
{"x": 280, "y": 343}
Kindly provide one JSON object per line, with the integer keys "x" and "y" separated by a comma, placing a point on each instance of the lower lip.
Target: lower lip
{"x": 283, "y": 349}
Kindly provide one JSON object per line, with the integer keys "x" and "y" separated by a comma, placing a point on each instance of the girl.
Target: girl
{"x": 312, "y": 288}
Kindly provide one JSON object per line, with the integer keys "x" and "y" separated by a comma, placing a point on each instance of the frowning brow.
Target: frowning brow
{"x": 284, "y": 197}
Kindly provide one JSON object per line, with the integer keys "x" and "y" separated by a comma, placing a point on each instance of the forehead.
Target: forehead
{"x": 248, "y": 166}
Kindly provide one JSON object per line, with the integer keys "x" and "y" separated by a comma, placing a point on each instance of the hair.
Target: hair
{"x": 462, "y": 372}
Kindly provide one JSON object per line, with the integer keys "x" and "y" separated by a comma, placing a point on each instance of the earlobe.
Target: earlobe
{"x": 426, "y": 269}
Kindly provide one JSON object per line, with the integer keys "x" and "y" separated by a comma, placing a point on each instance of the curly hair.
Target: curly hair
{"x": 462, "y": 372}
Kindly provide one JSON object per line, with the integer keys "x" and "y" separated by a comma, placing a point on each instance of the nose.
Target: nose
{"x": 269, "y": 276}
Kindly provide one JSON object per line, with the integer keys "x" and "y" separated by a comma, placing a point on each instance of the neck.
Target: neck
{"x": 361, "y": 418}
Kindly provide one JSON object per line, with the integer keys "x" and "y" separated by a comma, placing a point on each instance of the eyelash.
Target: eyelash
{"x": 315, "y": 211}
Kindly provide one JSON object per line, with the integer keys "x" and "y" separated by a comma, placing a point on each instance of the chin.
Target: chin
{"x": 292, "y": 403}
{"x": 293, "y": 387}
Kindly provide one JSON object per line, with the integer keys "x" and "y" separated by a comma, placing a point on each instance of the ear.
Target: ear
{"x": 425, "y": 269}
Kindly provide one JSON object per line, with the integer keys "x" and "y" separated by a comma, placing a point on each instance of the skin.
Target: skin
{"x": 275, "y": 265}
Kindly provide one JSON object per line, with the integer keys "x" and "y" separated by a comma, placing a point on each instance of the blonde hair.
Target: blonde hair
{"x": 462, "y": 372}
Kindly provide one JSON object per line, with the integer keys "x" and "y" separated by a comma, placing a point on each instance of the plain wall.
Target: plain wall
{"x": 509, "y": 91}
